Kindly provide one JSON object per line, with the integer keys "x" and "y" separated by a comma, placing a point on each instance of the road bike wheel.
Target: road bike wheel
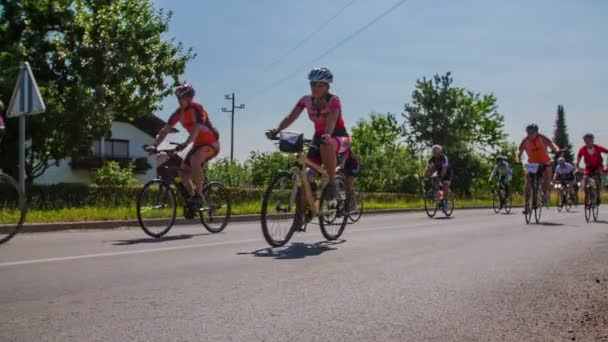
{"x": 569, "y": 201}
{"x": 560, "y": 201}
{"x": 355, "y": 216}
{"x": 217, "y": 209}
{"x": 496, "y": 201}
{"x": 156, "y": 208}
{"x": 595, "y": 208}
{"x": 588, "y": 205}
{"x": 430, "y": 202}
{"x": 528, "y": 214}
{"x": 508, "y": 202}
{"x": 538, "y": 211}
{"x": 12, "y": 208}
{"x": 448, "y": 208}
{"x": 337, "y": 207}
{"x": 281, "y": 209}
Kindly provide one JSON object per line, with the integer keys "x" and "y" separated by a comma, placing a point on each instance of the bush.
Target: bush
{"x": 112, "y": 174}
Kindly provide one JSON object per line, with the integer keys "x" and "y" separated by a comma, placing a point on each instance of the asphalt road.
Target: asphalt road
{"x": 400, "y": 277}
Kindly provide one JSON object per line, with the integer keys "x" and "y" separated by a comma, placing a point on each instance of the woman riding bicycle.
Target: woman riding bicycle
{"x": 594, "y": 164}
{"x": 535, "y": 145}
{"x": 330, "y": 138}
{"x": 503, "y": 171}
{"x": 439, "y": 164}
{"x": 203, "y": 136}
{"x": 564, "y": 174}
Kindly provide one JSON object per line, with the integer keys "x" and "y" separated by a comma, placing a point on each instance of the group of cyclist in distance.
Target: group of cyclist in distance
{"x": 331, "y": 139}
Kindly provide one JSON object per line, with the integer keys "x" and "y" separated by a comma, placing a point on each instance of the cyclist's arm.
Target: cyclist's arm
{"x": 494, "y": 171}
{"x": 289, "y": 119}
{"x": 552, "y": 145}
{"x": 601, "y": 149}
{"x": 162, "y": 134}
{"x": 509, "y": 173}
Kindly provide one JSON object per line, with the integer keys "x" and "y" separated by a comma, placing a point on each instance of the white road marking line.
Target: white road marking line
{"x": 174, "y": 248}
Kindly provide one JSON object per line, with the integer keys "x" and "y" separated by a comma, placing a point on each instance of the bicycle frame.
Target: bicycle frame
{"x": 307, "y": 194}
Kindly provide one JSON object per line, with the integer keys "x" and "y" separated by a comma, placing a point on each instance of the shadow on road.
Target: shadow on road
{"x": 156, "y": 240}
{"x": 296, "y": 250}
{"x": 443, "y": 217}
{"x": 602, "y": 221}
{"x": 549, "y": 224}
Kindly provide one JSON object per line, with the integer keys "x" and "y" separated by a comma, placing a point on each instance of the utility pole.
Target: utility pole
{"x": 230, "y": 97}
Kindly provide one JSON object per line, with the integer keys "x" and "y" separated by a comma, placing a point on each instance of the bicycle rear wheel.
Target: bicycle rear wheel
{"x": 508, "y": 202}
{"x": 331, "y": 208}
{"x": 216, "y": 210}
{"x": 12, "y": 208}
{"x": 156, "y": 208}
{"x": 281, "y": 209}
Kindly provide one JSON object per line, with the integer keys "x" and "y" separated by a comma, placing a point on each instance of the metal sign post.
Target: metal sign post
{"x": 26, "y": 100}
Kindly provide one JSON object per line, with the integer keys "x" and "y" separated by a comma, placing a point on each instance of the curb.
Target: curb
{"x": 116, "y": 224}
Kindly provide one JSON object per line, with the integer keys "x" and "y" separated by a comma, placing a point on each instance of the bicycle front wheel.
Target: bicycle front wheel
{"x": 156, "y": 208}
{"x": 430, "y": 203}
{"x": 508, "y": 202}
{"x": 588, "y": 205}
{"x": 12, "y": 208}
{"x": 496, "y": 202}
{"x": 561, "y": 201}
{"x": 538, "y": 208}
{"x": 335, "y": 209}
{"x": 281, "y": 209}
{"x": 448, "y": 207}
{"x": 217, "y": 209}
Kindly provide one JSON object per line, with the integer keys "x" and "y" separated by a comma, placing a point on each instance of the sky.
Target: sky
{"x": 532, "y": 55}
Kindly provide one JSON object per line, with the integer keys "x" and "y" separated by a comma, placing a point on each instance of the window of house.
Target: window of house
{"x": 113, "y": 148}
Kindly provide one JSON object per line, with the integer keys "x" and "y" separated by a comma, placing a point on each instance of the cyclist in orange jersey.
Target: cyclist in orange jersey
{"x": 535, "y": 145}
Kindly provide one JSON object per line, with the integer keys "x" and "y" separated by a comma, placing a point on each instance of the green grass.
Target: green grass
{"x": 249, "y": 207}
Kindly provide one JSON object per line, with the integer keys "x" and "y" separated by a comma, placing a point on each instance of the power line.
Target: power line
{"x": 328, "y": 51}
{"x": 309, "y": 36}
{"x": 304, "y": 40}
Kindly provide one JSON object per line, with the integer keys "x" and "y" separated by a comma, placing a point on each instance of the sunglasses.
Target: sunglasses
{"x": 317, "y": 84}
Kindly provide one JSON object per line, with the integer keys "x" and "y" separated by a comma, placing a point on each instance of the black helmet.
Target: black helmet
{"x": 532, "y": 128}
{"x": 501, "y": 159}
{"x": 588, "y": 136}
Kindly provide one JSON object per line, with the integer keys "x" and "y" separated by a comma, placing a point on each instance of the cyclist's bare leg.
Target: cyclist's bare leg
{"x": 446, "y": 189}
{"x": 329, "y": 158}
{"x": 184, "y": 173}
{"x": 197, "y": 161}
{"x": 350, "y": 186}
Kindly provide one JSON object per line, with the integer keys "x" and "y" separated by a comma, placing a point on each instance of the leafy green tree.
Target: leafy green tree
{"x": 560, "y": 135}
{"x": 465, "y": 123}
{"x": 264, "y": 165}
{"x": 387, "y": 164}
{"x": 231, "y": 173}
{"x": 94, "y": 61}
{"x": 112, "y": 174}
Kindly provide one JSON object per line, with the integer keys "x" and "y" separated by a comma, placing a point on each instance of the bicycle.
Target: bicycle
{"x": 565, "y": 195}
{"x": 434, "y": 198}
{"x": 158, "y": 199}
{"x": 290, "y": 202}
{"x": 592, "y": 202}
{"x": 535, "y": 173}
{"x": 13, "y": 208}
{"x": 501, "y": 198}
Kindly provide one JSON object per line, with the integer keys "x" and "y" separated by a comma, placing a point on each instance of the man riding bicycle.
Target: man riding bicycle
{"x": 440, "y": 165}
{"x": 202, "y": 134}
{"x": 564, "y": 174}
{"x": 503, "y": 171}
{"x": 593, "y": 162}
{"x": 535, "y": 145}
{"x": 330, "y": 138}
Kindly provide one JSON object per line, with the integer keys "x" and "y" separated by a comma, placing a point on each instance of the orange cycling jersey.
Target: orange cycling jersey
{"x": 194, "y": 117}
{"x": 537, "y": 149}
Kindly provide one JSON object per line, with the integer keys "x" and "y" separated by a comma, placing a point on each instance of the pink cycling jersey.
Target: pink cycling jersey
{"x": 318, "y": 113}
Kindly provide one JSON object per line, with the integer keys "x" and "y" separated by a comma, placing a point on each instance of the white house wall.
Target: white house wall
{"x": 120, "y": 130}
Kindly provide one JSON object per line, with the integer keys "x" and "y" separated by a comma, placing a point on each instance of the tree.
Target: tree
{"x": 465, "y": 123}
{"x": 94, "y": 61}
{"x": 387, "y": 165}
{"x": 560, "y": 135}
{"x": 264, "y": 165}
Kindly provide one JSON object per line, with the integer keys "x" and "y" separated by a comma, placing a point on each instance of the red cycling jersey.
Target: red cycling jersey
{"x": 593, "y": 158}
{"x": 317, "y": 113}
{"x": 193, "y": 117}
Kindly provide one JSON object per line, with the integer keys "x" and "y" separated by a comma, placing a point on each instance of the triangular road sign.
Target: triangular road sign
{"x": 26, "y": 99}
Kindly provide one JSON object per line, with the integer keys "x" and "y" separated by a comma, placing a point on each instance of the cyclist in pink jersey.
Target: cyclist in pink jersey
{"x": 325, "y": 111}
